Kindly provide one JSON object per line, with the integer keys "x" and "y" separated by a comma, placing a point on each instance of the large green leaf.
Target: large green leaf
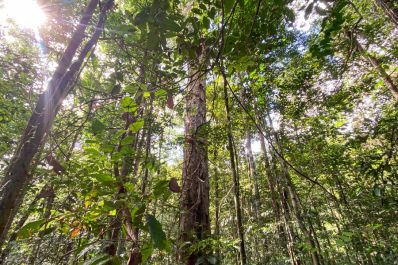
{"x": 97, "y": 126}
{"x": 157, "y": 235}
{"x": 30, "y": 228}
{"x": 137, "y": 125}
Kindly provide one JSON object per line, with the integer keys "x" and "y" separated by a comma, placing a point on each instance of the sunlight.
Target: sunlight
{"x": 26, "y": 13}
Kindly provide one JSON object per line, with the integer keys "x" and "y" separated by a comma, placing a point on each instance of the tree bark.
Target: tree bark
{"x": 194, "y": 217}
{"x": 388, "y": 10}
{"x": 17, "y": 174}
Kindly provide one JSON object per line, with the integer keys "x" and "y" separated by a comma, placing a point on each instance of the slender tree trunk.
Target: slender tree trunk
{"x": 389, "y": 10}
{"x": 254, "y": 175}
{"x": 17, "y": 174}
{"x": 194, "y": 218}
{"x": 295, "y": 201}
{"x": 283, "y": 195}
{"x": 135, "y": 254}
{"x": 235, "y": 177}
{"x": 217, "y": 205}
{"x": 273, "y": 194}
{"x": 375, "y": 63}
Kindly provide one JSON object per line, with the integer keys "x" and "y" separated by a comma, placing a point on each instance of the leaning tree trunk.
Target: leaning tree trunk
{"x": 17, "y": 174}
{"x": 389, "y": 10}
{"x": 375, "y": 63}
{"x": 194, "y": 217}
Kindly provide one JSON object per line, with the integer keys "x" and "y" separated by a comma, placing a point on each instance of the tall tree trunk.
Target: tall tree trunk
{"x": 282, "y": 194}
{"x": 253, "y": 175}
{"x": 17, "y": 174}
{"x": 295, "y": 201}
{"x": 217, "y": 205}
{"x": 389, "y": 10}
{"x": 272, "y": 185}
{"x": 194, "y": 218}
{"x": 375, "y": 63}
{"x": 135, "y": 254}
{"x": 235, "y": 177}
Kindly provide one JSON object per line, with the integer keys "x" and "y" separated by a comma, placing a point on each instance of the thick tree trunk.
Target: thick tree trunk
{"x": 194, "y": 218}
{"x": 17, "y": 174}
{"x": 389, "y": 10}
{"x": 235, "y": 177}
{"x": 375, "y": 63}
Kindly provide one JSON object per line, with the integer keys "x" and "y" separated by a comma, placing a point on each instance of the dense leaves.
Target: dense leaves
{"x": 299, "y": 95}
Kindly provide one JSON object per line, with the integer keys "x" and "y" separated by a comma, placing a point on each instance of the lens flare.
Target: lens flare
{"x": 25, "y": 13}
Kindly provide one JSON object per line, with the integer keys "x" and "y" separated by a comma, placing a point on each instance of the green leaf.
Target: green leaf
{"x": 157, "y": 235}
{"x": 160, "y": 92}
{"x": 128, "y": 104}
{"x": 170, "y": 24}
{"x": 228, "y": 5}
{"x": 127, "y": 140}
{"x": 97, "y": 126}
{"x": 146, "y": 251}
{"x": 205, "y": 23}
{"x": 212, "y": 13}
{"x": 136, "y": 215}
{"x": 30, "y": 228}
{"x": 103, "y": 177}
{"x": 137, "y": 125}
{"x": 161, "y": 187}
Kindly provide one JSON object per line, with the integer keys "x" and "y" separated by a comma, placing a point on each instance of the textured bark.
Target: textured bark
{"x": 235, "y": 177}
{"x": 17, "y": 174}
{"x": 375, "y": 63}
{"x": 389, "y": 10}
{"x": 194, "y": 217}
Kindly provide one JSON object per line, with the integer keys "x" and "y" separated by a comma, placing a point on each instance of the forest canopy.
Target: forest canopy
{"x": 198, "y": 132}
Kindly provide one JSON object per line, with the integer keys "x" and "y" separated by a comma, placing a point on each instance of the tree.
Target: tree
{"x": 17, "y": 174}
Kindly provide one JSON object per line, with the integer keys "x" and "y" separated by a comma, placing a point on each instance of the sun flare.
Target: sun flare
{"x": 25, "y": 13}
